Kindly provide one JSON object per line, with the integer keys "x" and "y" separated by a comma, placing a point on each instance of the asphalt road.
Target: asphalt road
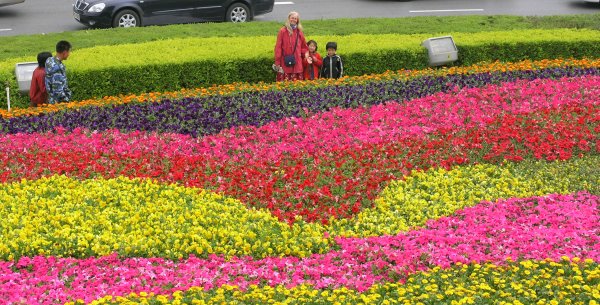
{"x": 49, "y": 16}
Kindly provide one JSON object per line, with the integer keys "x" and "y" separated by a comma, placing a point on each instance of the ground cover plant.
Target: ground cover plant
{"x": 29, "y": 45}
{"x": 482, "y": 189}
{"x": 464, "y": 185}
{"x": 174, "y": 64}
{"x": 208, "y": 110}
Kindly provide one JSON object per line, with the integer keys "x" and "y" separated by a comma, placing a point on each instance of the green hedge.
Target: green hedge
{"x": 16, "y": 46}
{"x": 172, "y": 64}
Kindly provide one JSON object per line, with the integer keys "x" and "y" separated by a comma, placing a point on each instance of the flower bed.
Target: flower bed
{"x": 334, "y": 163}
{"x": 526, "y": 282}
{"x": 536, "y": 228}
{"x": 144, "y": 219}
{"x": 483, "y": 191}
{"x": 222, "y": 107}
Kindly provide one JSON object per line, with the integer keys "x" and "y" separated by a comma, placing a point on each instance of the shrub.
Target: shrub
{"x": 194, "y": 62}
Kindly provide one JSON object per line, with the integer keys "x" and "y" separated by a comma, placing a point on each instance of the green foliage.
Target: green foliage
{"x": 18, "y": 46}
{"x": 514, "y": 46}
{"x": 169, "y": 65}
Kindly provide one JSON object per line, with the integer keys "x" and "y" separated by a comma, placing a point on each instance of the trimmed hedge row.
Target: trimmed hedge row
{"x": 169, "y": 65}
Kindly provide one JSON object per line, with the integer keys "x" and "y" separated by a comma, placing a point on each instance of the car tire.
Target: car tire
{"x": 238, "y": 12}
{"x": 126, "y": 19}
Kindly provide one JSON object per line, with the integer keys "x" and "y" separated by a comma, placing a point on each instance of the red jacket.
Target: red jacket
{"x": 285, "y": 45}
{"x": 315, "y": 66}
{"x": 37, "y": 90}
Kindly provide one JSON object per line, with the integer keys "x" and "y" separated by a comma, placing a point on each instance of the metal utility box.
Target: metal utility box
{"x": 24, "y": 72}
{"x": 442, "y": 50}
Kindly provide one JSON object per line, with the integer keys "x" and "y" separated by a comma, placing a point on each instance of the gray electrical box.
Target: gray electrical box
{"x": 442, "y": 50}
{"x": 24, "y": 73}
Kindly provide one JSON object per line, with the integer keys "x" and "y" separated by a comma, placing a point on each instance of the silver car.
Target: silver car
{"x": 10, "y": 2}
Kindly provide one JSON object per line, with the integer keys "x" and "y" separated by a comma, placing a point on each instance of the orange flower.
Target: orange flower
{"x": 262, "y": 86}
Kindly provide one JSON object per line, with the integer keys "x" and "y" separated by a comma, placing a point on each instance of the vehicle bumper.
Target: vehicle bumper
{"x": 102, "y": 19}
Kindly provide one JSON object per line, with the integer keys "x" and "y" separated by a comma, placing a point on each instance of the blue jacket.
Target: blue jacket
{"x": 56, "y": 81}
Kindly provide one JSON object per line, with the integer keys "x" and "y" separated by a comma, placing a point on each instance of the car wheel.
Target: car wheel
{"x": 126, "y": 19}
{"x": 238, "y": 12}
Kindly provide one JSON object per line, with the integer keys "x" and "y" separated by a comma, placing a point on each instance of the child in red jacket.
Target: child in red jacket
{"x": 37, "y": 89}
{"x": 312, "y": 63}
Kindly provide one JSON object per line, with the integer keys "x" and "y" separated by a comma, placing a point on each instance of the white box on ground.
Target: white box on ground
{"x": 442, "y": 50}
{"x": 24, "y": 73}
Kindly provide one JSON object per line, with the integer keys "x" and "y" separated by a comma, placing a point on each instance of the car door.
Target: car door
{"x": 168, "y": 11}
{"x": 211, "y": 9}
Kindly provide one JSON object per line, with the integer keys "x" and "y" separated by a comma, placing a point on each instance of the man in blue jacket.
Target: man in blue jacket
{"x": 56, "y": 74}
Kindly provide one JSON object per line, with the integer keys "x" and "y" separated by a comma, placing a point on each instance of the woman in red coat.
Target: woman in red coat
{"x": 313, "y": 62}
{"x": 290, "y": 42}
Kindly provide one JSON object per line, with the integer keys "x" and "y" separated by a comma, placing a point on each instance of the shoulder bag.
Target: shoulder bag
{"x": 290, "y": 59}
